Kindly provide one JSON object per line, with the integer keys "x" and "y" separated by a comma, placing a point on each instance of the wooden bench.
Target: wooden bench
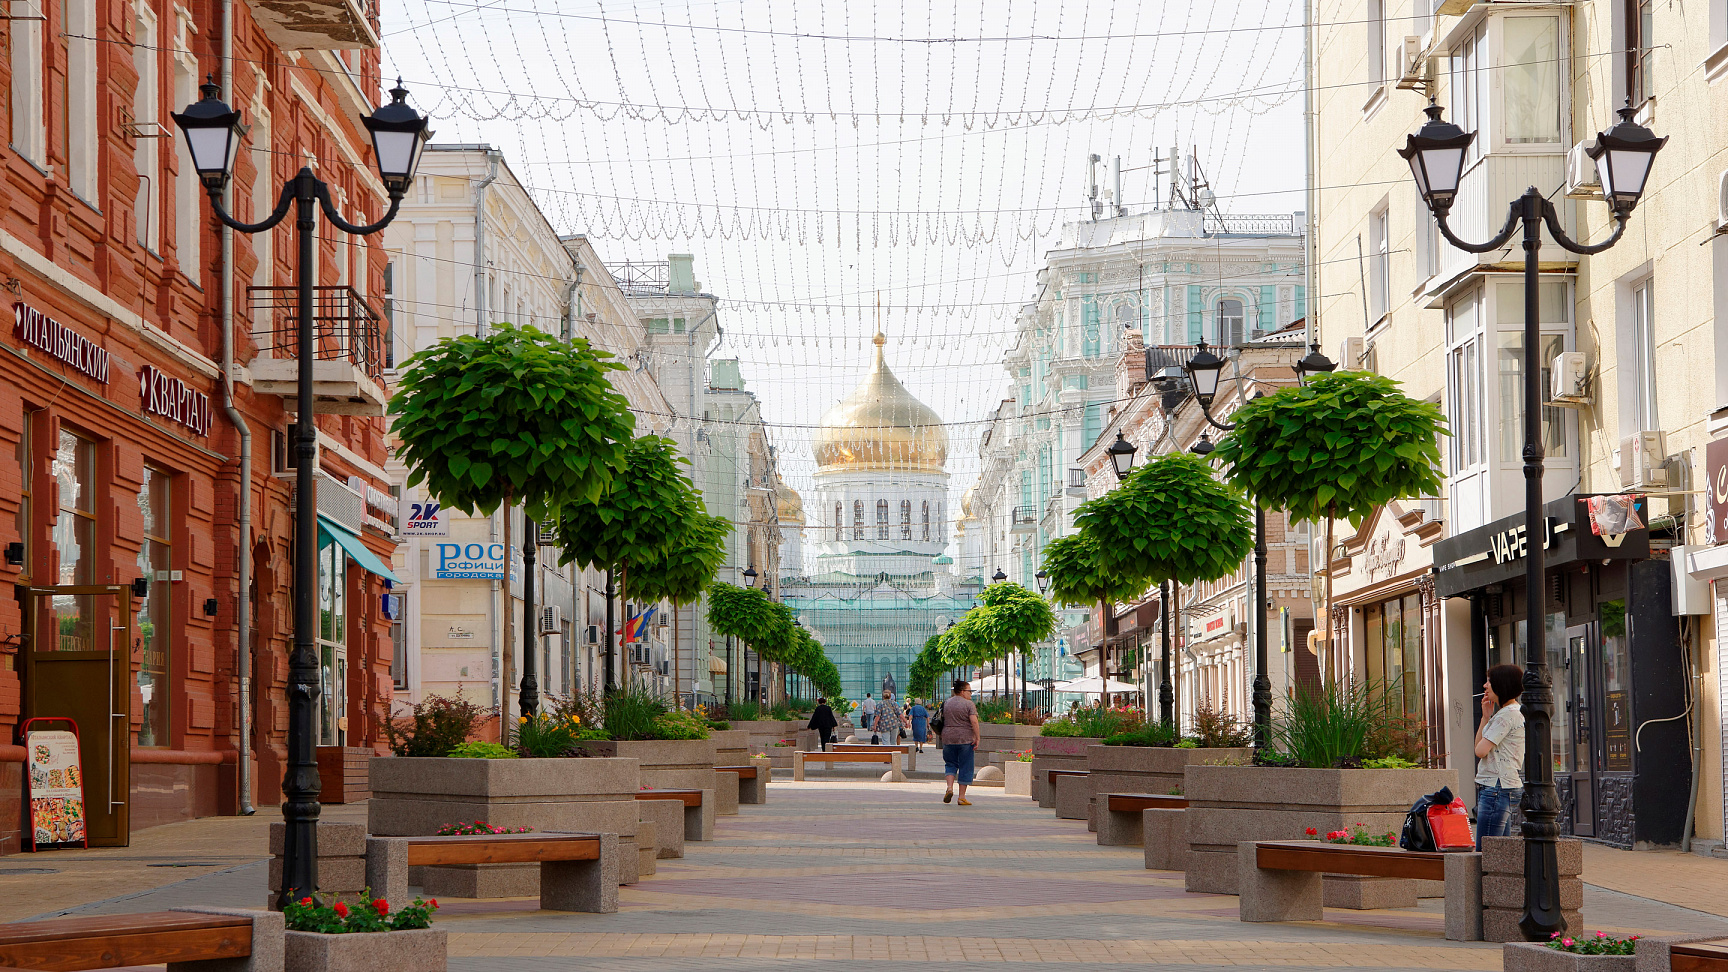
{"x": 895, "y": 761}
{"x": 1122, "y": 822}
{"x": 871, "y": 748}
{"x": 698, "y": 813}
{"x": 186, "y": 940}
{"x": 1281, "y": 879}
{"x": 752, "y": 786}
{"x": 1699, "y": 956}
{"x": 578, "y": 872}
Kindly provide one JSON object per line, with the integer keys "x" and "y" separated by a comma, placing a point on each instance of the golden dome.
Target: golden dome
{"x": 791, "y": 508}
{"x": 966, "y": 502}
{"x": 881, "y": 426}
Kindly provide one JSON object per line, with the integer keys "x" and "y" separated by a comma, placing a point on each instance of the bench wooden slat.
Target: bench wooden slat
{"x": 1053, "y": 774}
{"x": 1699, "y": 957}
{"x": 1327, "y": 858}
{"x": 871, "y": 748}
{"x": 850, "y": 757}
{"x": 110, "y": 941}
{"x": 1129, "y": 802}
{"x": 690, "y": 798}
{"x": 744, "y": 772}
{"x": 502, "y": 849}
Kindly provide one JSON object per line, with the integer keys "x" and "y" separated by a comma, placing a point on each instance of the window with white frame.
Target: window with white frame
{"x": 146, "y": 115}
{"x": 1530, "y": 80}
{"x": 1380, "y": 263}
{"x": 1429, "y": 243}
{"x": 1553, "y": 301}
{"x": 1230, "y": 322}
{"x": 1640, "y": 357}
{"x": 188, "y": 198}
{"x": 81, "y": 153}
{"x": 29, "y": 77}
{"x": 1639, "y": 17}
{"x": 1471, "y": 81}
{"x": 1376, "y": 23}
{"x": 1463, "y": 382}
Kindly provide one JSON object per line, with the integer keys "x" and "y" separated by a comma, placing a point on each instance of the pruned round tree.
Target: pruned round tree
{"x": 1009, "y": 618}
{"x": 516, "y": 416}
{"x": 685, "y": 569}
{"x": 1170, "y": 520}
{"x": 1079, "y": 579}
{"x": 647, "y": 510}
{"x": 1336, "y": 447}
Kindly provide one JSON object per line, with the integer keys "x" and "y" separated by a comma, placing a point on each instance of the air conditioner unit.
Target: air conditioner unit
{"x": 1412, "y": 65}
{"x": 1641, "y": 457}
{"x": 551, "y": 619}
{"x": 639, "y": 655}
{"x": 1722, "y": 201}
{"x": 1569, "y": 385}
{"x": 593, "y": 635}
{"x": 1350, "y": 352}
{"x": 1582, "y": 179}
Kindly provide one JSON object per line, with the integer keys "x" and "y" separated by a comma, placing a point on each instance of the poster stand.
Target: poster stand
{"x": 53, "y": 785}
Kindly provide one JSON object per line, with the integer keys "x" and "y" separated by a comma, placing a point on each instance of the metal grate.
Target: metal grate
{"x": 344, "y": 326}
{"x": 642, "y": 279}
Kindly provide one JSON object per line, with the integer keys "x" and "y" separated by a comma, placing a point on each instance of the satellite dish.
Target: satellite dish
{"x": 1204, "y": 198}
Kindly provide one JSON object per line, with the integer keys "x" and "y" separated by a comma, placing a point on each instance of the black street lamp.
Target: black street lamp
{"x": 1623, "y": 156}
{"x": 1314, "y": 363}
{"x": 750, "y": 576}
{"x": 213, "y": 132}
{"x": 1204, "y": 370}
{"x": 1043, "y": 579}
{"x": 1121, "y": 456}
{"x": 998, "y": 577}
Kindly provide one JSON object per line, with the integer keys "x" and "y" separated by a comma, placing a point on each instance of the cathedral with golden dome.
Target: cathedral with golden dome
{"x": 864, "y": 558}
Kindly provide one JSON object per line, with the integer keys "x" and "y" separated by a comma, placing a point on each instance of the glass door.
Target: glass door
{"x": 1574, "y": 729}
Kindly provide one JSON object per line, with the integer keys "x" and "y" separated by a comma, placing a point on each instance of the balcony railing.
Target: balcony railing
{"x": 1025, "y": 519}
{"x": 345, "y": 327}
{"x": 1279, "y": 224}
{"x": 650, "y": 279}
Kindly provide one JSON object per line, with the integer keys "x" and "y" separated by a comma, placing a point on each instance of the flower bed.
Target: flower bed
{"x": 333, "y": 937}
{"x": 1586, "y": 953}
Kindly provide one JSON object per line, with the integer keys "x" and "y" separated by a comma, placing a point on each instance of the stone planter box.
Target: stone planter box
{"x": 1144, "y": 769}
{"x": 1230, "y": 804}
{"x": 766, "y": 732}
{"x": 1503, "y": 886}
{"x": 1056, "y": 752}
{"x": 731, "y": 746}
{"x": 998, "y": 738}
{"x": 419, "y": 950}
{"x": 414, "y": 796}
{"x": 666, "y": 764}
{"x": 1017, "y": 778}
{"x": 1533, "y": 957}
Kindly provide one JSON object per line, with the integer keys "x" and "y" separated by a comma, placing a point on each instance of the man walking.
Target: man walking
{"x": 823, "y": 721}
{"x": 869, "y": 709}
{"x": 960, "y": 739}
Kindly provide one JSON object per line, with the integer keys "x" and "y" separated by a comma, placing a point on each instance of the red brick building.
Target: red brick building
{"x": 122, "y": 482}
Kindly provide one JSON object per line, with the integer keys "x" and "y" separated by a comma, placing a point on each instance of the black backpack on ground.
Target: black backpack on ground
{"x": 1417, "y": 836}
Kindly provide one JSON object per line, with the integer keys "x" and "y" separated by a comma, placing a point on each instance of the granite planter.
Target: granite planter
{"x": 766, "y": 732}
{"x": 1229, "y": 804}
{"x": 1534, "y": 957}
{"x": 414, "y": 796}
{"x": 1017, "y": 778}
{"x": 1145, "y": 769}
{"x": 666, "y": 764}
{"x": 731, "y": 746}
{"x": 1056, "y": 752}
{"x": 1003, "y": 738}
{"x": 417, "y": 950}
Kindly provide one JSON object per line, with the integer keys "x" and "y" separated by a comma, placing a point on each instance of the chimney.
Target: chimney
{"x": 681, "y": 273}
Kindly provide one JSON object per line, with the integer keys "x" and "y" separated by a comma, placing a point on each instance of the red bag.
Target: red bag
{"x": 1450, "y": 825}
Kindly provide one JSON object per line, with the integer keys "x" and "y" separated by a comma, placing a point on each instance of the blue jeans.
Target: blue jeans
{"x": 957, "y": 761}
{"x": 1494, "y": 811}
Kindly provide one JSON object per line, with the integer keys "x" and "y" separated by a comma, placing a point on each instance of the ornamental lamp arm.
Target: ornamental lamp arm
{"x": 1552, "y": 218}
{"x": 1514, "y": 214}
{"x": 269, "y": 222}
{"x": 335, "y": 217}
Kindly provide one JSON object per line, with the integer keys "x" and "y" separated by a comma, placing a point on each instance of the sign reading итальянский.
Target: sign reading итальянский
{"x": 61, "y": 342}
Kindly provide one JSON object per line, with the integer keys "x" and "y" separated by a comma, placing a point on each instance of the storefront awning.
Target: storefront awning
{"x": 716, "y": 665}
{"x": 329, "y": 532}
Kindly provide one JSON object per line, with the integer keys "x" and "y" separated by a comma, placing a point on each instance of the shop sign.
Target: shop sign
{"x": 465, "y": 561}
{"x": 1384, "y": 556}
{"x": 1716, "y": 492}
{"x": 55, "y": 789}
{"x": 426, "y": 519}
{"x": 59, "y": 341}
{"x": 1513, "y": 543}
{"x": 1216, "y": 624}
{"x": 378, "y": 502}
{"x": 174, "y": 400}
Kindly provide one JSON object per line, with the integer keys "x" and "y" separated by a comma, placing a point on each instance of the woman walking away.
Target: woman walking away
{"x": 960, "y": 739}
{"x": 920, "y": 718}
{"x": 1500, "y": 751}
{"x": 886, "y": 729}
{"x": 823, "y": 721}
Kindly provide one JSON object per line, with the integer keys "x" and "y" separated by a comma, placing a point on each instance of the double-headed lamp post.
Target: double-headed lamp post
{"x": 1623, "y": 155}
{"x": 1204, "y": 370}
{"x": 213, "y": 132}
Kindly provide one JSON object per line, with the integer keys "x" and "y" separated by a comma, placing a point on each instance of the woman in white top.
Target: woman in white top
{"x": 1500, "y": 752}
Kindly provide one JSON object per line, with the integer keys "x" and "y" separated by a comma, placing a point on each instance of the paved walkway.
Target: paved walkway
{"x": 847, "y": 872}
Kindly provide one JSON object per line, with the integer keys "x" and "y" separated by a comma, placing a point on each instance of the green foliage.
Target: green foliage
{"x": 1079, "y": 579}
{"x": 482, "y": 750}
{"x": 1390, "y": 762}
{"x": 746, "y": 613}
{"x": 517, "y": 414}
{"x": 927, "y": 669}
{"x": 1169, "y": 520}
{"x": 1598, "y": 944}
{"x": 634, "y": 711}
{"x": 1341, "y": 725}
{"x": 685, "y": 568}
{"x": 368, "y": 915}
{"x": 1095, "y": 722}
{"x": 679, "y": 724}
{"x": 1216, "y": 729}
{"x": 434, "y": 726}
{"x": 742, "y": 711}
{"x": 1339, "y": 446}
{"x": 544, "y": 735}
{"x": 1150, "y": 734}
{"x": 999, "y": 711}
{"x": 1009, "y": 618}
{"x": 1063, "y": 726}
{"x": 1358, "y": 834}
{"x": 647, "y": 508}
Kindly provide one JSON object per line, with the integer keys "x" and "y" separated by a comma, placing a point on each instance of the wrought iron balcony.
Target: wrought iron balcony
{"x": 1025, "y": 519}
{"x": 348, "y": 349}
{"x": 650, "y": 279}
{"x": 1077, "y": 483}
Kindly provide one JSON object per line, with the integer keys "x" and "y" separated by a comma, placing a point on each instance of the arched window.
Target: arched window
{"x": 857, "y": 519}
{"x": 839, "y": 522}
{"x": 926, "y": 519}
{"x": 905, "y": 519}
{"x": 881, "y": 519}
{"x": 1230, "y": 323}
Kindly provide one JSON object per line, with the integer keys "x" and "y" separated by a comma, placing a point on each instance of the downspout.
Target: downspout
{"x": 480, "y": 296}
{"x": 243, "y": 610}
{"x": 1310, "y": 152}
{"x": 695, "y": 406}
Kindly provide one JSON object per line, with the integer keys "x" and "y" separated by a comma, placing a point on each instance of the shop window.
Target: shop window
{"x": 1393, "y": 650}
{"x": 153, "y": 628}
{"x": 332, "y": 644}
{"x": 1616, "y": 755}
{"x": 75, "y": 526}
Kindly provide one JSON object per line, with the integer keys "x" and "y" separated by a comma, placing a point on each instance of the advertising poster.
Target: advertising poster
{"x": 56, "y": 788}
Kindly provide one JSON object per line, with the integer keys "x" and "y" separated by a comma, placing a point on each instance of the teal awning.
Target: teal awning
{"x": 331, "y": 532}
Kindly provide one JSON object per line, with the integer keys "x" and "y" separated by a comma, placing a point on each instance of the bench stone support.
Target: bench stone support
{"x": 699, "y": 821}
{"x": 267, "y": 943}
{"x": 668, "y": 819}
{"x": 1464, "y": 897}
{"x": 1073, "y": 794}
{"x": 1269, "y": 895}
{"x": 1119, "y": 828}
{"x": 590, "y": 886}
{"x": 755, "y": 792}
{"x": 387, "y": 867}
{"x": 1165, "y": 836}
{"x": 727, "y": 793}
{"x": 896, "y": 767}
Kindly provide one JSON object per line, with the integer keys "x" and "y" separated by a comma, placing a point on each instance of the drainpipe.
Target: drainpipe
{"x": 1310, "y": 246}
{"x": 243, "y": 611}
{"x": 695, "y": 406}
{"x": 480, "y": 296}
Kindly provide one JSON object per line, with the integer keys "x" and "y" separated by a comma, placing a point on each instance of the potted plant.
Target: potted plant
{"x": 1017, "y": 773}
{"x": 369, "y": 937}
{"x": 1590, "y": 952}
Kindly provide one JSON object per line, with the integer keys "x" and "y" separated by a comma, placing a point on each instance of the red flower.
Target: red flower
{"x": 1312, "y": 831}
{"x": 434, "y": 902}
{"x": 306, "y": 901}
{"x": 341, "y": 910}
{"x": 382, "y": 905}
